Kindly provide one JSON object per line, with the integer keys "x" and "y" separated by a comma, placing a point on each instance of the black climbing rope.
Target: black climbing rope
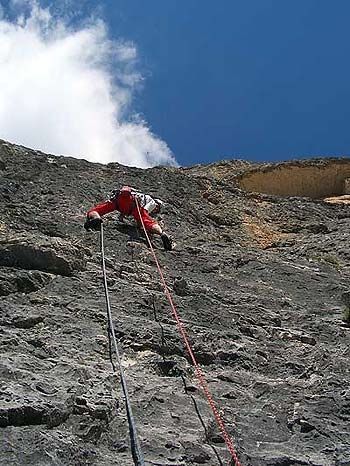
{"x": 135, "y": 445}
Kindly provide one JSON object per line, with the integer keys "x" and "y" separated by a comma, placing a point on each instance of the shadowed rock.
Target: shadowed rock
{"x": 53, "y": 255}
{"x": 22, "y": 281}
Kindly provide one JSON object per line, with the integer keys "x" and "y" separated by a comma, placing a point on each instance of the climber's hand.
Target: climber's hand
{"x": 93, "y": 224}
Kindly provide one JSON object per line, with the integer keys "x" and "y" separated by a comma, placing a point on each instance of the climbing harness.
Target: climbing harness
{"x": 135, "y": 445}
{"x": 189, "y": 349}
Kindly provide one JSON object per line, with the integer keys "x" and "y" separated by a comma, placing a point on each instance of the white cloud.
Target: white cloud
{"x": 70, "y": 91}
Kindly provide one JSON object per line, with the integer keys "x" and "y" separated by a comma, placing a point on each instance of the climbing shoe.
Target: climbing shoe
{"x": 167, "y": 242}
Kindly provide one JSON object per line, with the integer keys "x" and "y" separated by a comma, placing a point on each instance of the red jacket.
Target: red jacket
{"x": 126, "y": 205}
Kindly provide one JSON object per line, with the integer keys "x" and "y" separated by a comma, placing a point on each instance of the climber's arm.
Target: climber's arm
{"x": 102, "y": 209}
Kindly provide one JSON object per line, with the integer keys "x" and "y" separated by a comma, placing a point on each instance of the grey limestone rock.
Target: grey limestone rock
{"x": 259, "y": 282}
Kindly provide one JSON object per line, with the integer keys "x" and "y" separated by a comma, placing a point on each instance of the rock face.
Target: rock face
{"x": 53, "y": 255}
{"x": 261, "y": 284}
{"x": 322, "y": 178}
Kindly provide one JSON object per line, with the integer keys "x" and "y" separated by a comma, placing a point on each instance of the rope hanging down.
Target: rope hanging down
{"x": 189, "y": 349}
{"x": 164, "y": 344}
{"x": 135, "y": 445}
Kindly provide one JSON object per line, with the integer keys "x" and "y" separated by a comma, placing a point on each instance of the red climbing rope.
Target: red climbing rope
{"x": 189, "y": 349}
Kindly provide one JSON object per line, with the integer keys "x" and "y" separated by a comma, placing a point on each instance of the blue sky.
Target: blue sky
{"x": 261, "y": 80}
{"x": 255, "y": 79}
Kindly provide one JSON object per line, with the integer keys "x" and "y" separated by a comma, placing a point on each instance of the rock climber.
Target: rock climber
{"x": 127, "y": 201}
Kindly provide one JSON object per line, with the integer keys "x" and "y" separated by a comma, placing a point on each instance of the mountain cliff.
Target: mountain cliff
{"x": 260, "y": 278}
